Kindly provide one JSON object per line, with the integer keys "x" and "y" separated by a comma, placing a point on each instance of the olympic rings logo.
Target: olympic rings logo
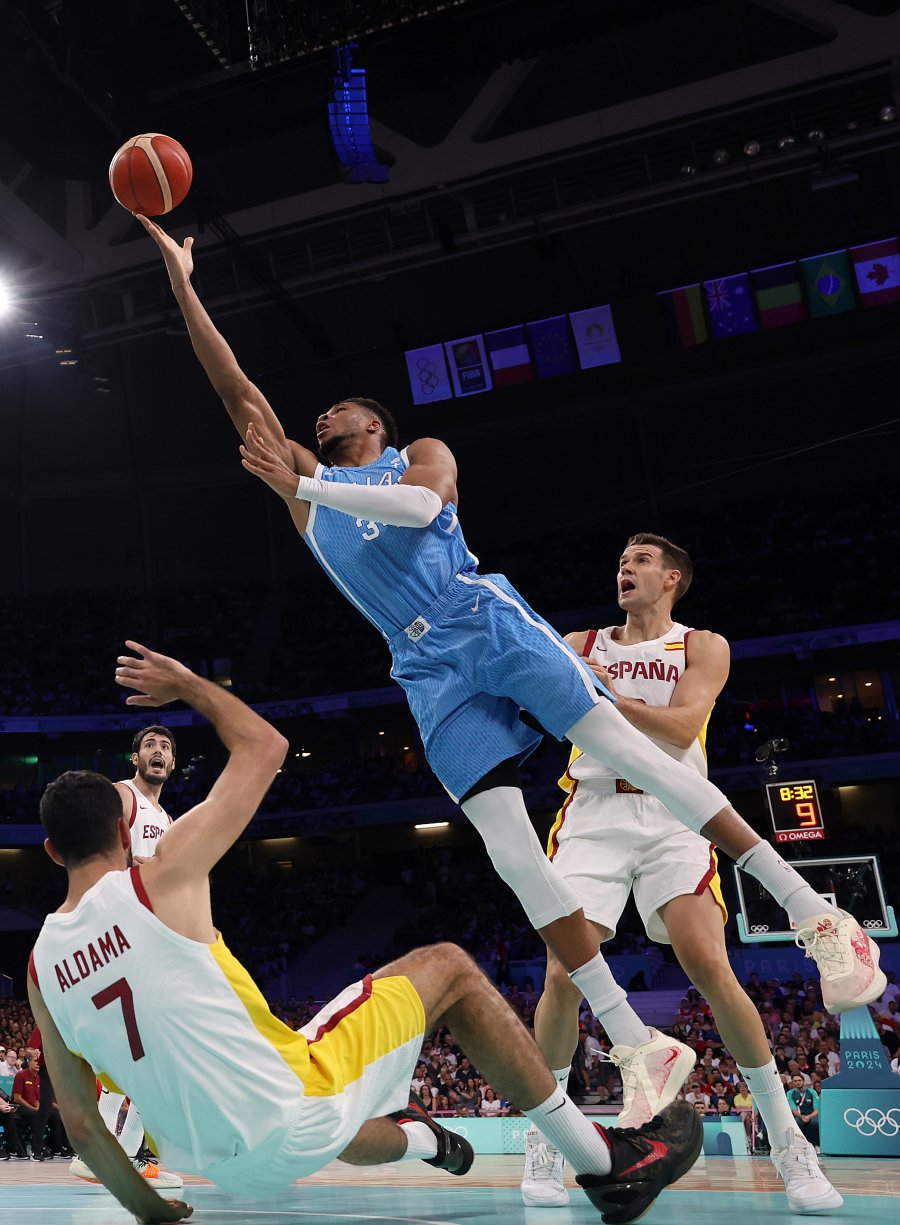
{"x": 873, "y": 1122}
{"x": 874, "y": 924}
{"x": 428, "y": 375}
{"x": 759, "y": 927}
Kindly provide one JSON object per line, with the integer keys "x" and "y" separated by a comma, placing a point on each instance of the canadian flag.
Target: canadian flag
{"x": 877, "y": 268}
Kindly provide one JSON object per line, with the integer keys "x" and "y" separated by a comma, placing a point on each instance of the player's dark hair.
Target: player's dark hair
{"x": 80, "y": 811}
{"x": 390, "y": 431}
{"x": 673, "y": 557}
{"x": 155, "y": 729}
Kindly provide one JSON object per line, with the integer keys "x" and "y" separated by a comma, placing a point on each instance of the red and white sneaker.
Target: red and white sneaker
{"x": 651, "y": 1074}
{"x": 847, "y": 961}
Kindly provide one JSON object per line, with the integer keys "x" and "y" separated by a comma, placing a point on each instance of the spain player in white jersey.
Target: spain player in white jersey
{"x": 470, "y": 654}
{"x": 153, "y": 758}
{"x": 610, "y": 839}
{"x": 322, "y": 1093}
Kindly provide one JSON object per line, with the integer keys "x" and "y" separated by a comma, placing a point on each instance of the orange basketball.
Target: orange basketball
{"x": 150, "y": 174}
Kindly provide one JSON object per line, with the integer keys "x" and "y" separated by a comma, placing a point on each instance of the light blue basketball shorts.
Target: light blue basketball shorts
{"x": 469, "y": 662}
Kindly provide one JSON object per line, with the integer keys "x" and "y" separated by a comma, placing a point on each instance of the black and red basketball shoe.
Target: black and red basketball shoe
{"x": 644, "y": 1161}
{"x": 454, "y": 1153}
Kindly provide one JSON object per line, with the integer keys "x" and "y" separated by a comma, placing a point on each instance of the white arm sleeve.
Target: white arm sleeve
{"x": 396, "y": 505}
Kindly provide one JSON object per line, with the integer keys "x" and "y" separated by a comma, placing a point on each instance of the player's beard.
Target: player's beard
{"x": 151, "y": 779}
{"x": 328, "y": 447}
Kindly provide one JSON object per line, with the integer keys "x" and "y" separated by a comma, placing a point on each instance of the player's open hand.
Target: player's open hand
{"x": 158, "y": 678}
{"x": 169, "y": 1210}
{"x": 259, "y": 458}
{"x": 179, "y": 259}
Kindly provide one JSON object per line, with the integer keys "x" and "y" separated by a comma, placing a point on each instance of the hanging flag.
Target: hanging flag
{"x": 730, "y": 306}
{"x": 683, "y": 309}
{"x": 551, "y": 343}
{"x": 779, "y": 298}
{"x": 828, "y": 285}
{"x": 510, "y": 356}
{"x": 877, "y": 268}
{"x": 468, "y": 365}
{"x": 595, "y": 337}
{"x": 428, "y": 376}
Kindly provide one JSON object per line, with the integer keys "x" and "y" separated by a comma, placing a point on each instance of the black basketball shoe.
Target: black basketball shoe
{"x": 454, "y": 1154}
{"x": 644, "y": 1160}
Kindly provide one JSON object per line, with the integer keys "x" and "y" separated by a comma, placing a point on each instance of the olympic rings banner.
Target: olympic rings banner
{"x": 428, "y": 377}
{"x": 859, "y": 1109}
{"x": 860, "y": 1122}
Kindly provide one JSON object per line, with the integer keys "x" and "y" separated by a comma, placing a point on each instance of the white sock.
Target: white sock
{"x": 566, "y": 1128}
{"x": 561, "y": 1076}
{"x": 786, "y": 886}
{"x": 421, "y": 1142}
{"x": 770, "y": 1100}
{"x": 609, "y": 1003}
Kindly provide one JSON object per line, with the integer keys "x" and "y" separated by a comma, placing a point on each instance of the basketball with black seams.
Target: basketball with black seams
{"x": 150, "y": 174}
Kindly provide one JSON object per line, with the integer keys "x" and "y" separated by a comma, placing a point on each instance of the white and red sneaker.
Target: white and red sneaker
{"x": 847, "y": 961}
{"x": 652, "y": 1074}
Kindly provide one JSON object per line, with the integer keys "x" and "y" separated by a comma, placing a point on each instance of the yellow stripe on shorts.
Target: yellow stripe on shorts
{"x": 387, "y": 1015}
{"x": 291, "y": 1045}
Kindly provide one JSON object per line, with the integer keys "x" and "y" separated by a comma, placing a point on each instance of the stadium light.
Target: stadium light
{"x": 6, "y": 300}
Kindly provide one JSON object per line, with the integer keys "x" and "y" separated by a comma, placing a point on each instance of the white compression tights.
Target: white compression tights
{"x": 500, "y": 816}
{"x": 609, "y": 737}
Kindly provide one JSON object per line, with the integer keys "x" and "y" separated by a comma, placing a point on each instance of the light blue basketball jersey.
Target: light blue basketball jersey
{"x": 389, "y": 573}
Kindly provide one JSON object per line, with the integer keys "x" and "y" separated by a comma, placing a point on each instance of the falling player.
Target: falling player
{"x": 470, "y": 654}
{"x": 610, "y": 839}
{"x": 322, "y": 1093}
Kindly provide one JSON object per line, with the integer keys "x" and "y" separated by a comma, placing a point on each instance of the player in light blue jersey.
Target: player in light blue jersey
{"x": 470, "y": 654}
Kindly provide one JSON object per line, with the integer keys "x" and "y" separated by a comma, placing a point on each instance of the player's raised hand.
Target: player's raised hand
{"x": 259, "y": 458}
{"x": 169, "y": 1210}
{"x": 158, "y": 678}
{"x": 179, "y": 259}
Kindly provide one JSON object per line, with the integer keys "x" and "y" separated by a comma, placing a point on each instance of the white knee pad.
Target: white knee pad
{"x": 608, "y": 736}
{"x": 502, "y": 820}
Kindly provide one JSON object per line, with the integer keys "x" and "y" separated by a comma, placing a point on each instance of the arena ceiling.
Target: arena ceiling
{"x": 481, "y": 108}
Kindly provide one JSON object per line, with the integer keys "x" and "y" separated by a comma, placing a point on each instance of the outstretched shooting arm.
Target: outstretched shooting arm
{"x": 243, "y": 400}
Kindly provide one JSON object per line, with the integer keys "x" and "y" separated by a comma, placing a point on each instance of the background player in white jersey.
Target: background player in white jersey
{"x": 470, "y": 653}
{"x": 321, "y": 1093}
{"x": 153, "y": 758}
{"x": 610, "y": 839}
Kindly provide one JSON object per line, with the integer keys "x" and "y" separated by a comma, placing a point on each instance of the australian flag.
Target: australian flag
{"x": 730, "y": 304}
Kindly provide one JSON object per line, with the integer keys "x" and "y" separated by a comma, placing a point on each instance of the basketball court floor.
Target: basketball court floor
{"x": 742, "y": 1191}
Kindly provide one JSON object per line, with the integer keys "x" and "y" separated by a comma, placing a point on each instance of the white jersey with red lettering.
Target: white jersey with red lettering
{"x": 148, "y": 822}
{"x": 225, "y": 1088}
{"x": 609, "y": 839}
{"x": 648, "y": 671}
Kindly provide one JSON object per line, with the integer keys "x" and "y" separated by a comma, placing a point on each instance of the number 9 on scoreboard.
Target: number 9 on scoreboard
{"x": 795, "y": 811}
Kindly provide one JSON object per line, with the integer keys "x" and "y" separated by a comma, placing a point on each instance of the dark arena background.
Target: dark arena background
{"x": 636, "y": 263}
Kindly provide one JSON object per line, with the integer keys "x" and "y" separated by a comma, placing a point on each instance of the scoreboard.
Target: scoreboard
{"x": 796, "y": 815}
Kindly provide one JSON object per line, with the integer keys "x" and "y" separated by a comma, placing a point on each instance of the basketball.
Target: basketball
{"x": 150, "y": 174}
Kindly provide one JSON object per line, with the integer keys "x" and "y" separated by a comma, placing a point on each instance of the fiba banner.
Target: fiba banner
{"x": 595, "y": 337}
{"x": 859, "y": 1108}
{"x": 468, "y": 365}
{"x": 428, "y": 378}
